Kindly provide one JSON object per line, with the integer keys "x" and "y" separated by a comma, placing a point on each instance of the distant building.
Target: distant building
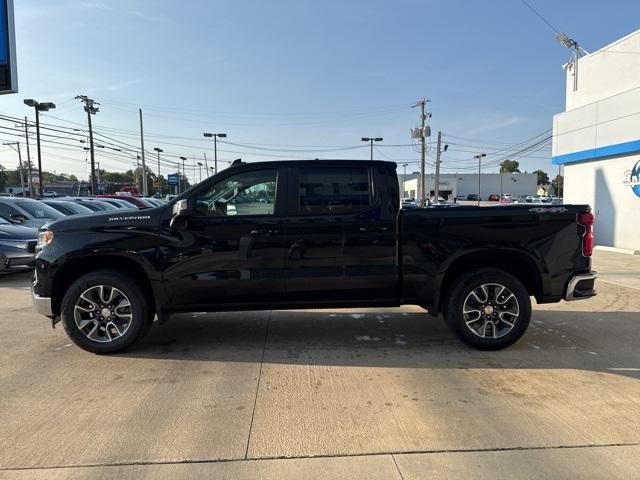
{"x": 68, "y": 188}
{"x": 462, "y": 184}
{"x": 597, "y": 140}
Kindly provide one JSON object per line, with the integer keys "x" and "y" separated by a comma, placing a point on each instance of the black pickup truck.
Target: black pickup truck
{"x": 309, "y": 234}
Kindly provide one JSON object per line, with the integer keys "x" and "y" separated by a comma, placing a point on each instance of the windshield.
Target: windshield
{"x": 40, "y": 210}
{"x": 76, "y": 207}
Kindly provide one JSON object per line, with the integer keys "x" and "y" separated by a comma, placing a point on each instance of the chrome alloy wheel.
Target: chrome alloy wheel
{"x": 491, "y": 310}
{"x": 103, "y": 313}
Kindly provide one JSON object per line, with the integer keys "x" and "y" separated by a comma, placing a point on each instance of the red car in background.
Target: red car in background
{"x": 138, "y": 202}
{"x": 494, "y": 197}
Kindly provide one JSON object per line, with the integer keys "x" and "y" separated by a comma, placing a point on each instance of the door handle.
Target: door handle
{"x": 264, "y": 231}
{"x": 374, "y": 229}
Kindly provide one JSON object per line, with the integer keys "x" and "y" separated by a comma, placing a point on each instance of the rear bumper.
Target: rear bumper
{"x": 42, "y": 305}
{"x": 581, "y": 286}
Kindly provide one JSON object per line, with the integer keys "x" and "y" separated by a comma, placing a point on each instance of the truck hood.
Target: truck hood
{"x": 116, "y": 218}
{"x": 17, "y": 232}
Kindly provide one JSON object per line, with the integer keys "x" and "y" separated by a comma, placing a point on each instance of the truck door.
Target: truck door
{"x": 341, "y": 240}
{"x": 231, "y": 251}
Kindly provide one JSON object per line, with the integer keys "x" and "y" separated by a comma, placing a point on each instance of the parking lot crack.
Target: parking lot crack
{"x": 397, "y": 467}
{"x": 255, "y": 400}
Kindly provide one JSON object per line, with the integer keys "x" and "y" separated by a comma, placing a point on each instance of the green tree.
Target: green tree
{"x": 10, "y": 178}
{"x": 510, "y": 166}
{"x": 543, "y": 178}
{"x": 558, "y": 185}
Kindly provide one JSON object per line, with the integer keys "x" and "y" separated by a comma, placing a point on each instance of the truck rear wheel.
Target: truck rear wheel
{"x": 105, "y": 312}
{"x": 488, "y": 309}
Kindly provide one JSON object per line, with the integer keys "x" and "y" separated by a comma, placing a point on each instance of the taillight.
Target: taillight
{"x": 586, "y": 220}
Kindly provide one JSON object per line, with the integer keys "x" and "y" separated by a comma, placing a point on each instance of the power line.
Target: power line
{"x": 540, "y": 16}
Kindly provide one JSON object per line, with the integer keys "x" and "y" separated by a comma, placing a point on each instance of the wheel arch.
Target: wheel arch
{"x": 515, "y": 262}
{"x": 73, "y": 269}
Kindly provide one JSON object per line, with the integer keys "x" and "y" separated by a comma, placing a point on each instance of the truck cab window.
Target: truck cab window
{"x": 249, "y": 193}
{"x": 334, "y": 190}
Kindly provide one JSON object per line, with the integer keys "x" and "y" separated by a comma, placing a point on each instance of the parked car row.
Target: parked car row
{"x": 21, "y": 218}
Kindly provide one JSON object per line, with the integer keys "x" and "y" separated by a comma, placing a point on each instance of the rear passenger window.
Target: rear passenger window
{"x": 334, "y": 190}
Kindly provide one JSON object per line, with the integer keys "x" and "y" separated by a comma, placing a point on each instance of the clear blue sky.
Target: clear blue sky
{"x": 305, "y": 73}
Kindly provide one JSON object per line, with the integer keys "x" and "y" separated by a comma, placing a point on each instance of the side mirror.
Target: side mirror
{"x": 180, "y": 210}
{"x": 17, "y": 218}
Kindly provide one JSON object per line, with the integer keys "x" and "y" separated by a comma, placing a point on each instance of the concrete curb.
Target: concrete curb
{"x": 626, "y": 251}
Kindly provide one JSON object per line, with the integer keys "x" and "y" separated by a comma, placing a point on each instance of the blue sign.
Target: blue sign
{"x": 8, "y": 72}
{"x": 4, "y": 38}
{"x": 173, "y": 179}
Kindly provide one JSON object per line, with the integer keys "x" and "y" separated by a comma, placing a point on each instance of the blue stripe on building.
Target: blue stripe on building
{"x": 598, "y": 153}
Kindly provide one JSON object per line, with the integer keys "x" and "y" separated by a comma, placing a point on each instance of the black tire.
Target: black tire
{"x": 471, "y": 331}
{"x": 141, "y": 315}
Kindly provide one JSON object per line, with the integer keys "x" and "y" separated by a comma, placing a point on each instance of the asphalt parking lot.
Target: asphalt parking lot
{"x": 328, "y": 394}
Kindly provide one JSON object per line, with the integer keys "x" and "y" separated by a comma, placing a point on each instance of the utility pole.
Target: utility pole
{"x": 145, "y": 188}
{"x": 26, "y": 137}
{"x": 479, "y": 158}
{"x": 200, "y": 170}
{"x": 423, "y": 149}
{"x": 98, "y": 176}
{"x": 206, "y": 168}
{"x": 438, "y": 154}
{"x": 91, "y": 109}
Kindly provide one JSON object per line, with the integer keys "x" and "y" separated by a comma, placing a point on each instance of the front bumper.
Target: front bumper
{"x": 42, "y": 305}
{"x": 581, "y": 286}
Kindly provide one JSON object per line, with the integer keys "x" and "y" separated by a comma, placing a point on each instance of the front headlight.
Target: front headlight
{"x": 45, "y": 238}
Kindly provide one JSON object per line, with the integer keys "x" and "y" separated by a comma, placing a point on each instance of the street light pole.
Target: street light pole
{"x": 200, "y": 170}
{"x": 184, "y": 174}
{"x": 159, "y": 150}
{"x": 479, "y": 158}
{"x": 39, "y": 107}
{"x": 404, "y": 176}
{"x": 215, "y": 137}
{"x": 371, "y": 140}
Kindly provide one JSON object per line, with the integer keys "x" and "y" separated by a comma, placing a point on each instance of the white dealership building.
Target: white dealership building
{"x": 597, "y": 140}
{"x": 453, "y": 185}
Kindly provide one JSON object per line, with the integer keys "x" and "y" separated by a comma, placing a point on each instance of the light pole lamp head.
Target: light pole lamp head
{"x": 222, "y": 135}
{"x": 200, "y": 163}
{"x": 159, "y": 150}
{"x": 30, "y": 102}
{"x": 208, "y": 135}
{"x": 46, "y": 106}
{"x": 365, "y": 139}
{"x": 377, "y": 139}
{"x": 183, "y": 159}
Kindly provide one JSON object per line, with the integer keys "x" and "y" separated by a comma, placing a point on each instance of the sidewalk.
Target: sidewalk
{"x": 617, "y": 268}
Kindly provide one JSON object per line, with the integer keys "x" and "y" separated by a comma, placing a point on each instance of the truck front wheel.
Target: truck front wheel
{"x": 488, "y": 309}
{"x": 105, "y": 312}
